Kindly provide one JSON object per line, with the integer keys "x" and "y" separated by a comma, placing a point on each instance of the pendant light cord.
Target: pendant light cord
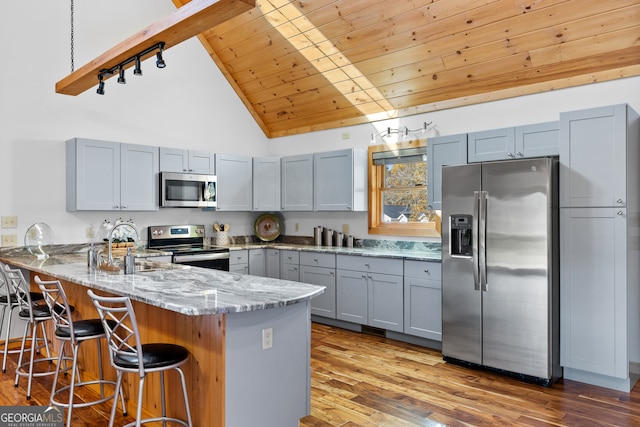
{"x": 72, "y": 35}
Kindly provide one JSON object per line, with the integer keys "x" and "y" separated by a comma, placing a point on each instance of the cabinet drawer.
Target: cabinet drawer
{"x": 290, "y": 257}
{"x": 318, "y": 259}
{"x": 370, "y": 264}
{"x": 423, "y": 269}
{"x": 238, "y": 257}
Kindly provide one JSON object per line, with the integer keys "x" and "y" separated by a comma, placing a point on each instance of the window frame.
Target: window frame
{"x": 376, "y": 183}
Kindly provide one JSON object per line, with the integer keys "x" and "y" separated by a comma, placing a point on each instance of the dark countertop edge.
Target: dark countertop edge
{"x": 372, "y": 252}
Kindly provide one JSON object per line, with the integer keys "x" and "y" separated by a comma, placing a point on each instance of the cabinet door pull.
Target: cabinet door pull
{"x": 426, "y": 270}
{"x": 619, "y": 201}
{"x": 510, "y": 155}
{"x": 519, "y": 154}
{"x": 619, "y": 212}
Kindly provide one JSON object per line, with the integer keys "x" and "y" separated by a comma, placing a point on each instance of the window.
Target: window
{"x": 398, "y": 191}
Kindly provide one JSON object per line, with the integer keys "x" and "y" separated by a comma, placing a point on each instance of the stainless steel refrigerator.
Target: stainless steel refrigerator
{"x": 500, "y": 267}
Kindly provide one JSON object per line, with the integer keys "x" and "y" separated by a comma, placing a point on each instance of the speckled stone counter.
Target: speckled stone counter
{"x": 424, "y": 252}
{"x": 184, "y": 289}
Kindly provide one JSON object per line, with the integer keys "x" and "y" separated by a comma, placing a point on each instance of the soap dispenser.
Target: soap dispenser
{"x": 129, "y": 262}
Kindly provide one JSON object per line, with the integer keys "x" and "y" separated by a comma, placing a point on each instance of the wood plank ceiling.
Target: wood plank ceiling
{"x": 307, "y": 65}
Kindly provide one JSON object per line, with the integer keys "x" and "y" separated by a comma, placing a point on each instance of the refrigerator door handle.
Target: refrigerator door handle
{"x": 482, "y": 236}
{"x": 474, "y": 240}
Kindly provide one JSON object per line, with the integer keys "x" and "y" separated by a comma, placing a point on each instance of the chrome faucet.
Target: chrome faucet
{"x": 110, "y": 238}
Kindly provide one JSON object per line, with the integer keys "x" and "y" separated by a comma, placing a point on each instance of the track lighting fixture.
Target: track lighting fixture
{"x": 100, "y": 90}
{"x": 106, "y": 73}
{"x": 137, "y": 71}
{"x": 402, "y": 132}
{"x": 121, "y": 78}
{"x": 159, "y": 61}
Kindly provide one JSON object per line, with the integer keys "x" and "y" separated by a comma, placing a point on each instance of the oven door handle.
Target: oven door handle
{"x": 178, "y": 259}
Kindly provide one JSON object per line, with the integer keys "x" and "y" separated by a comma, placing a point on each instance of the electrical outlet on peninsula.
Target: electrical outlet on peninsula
{"x": 267, "y": 338}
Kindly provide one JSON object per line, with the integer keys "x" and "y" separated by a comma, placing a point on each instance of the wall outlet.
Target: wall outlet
{"x": 90, "y": 233}
{"x": 346, "y": 135}
{"x": 9, "y": 222}
{"x": 9, "y": 240}
{"x": 297, "y": 226}
{"x": 267, "y": 338}
{"x": 345, "y": 228}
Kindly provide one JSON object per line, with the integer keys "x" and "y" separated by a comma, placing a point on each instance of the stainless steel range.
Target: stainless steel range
{"x": 186, "y": 243}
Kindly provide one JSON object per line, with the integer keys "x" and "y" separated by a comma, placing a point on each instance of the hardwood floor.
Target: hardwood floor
{"x": 365, "y": 380}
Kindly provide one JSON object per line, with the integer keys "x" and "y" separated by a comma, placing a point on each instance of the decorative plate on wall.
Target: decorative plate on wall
{"x": 268, "y": 227}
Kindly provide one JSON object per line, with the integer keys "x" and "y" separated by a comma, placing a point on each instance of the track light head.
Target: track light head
{"x": 121, "y": 78}
{"x": 159, "y": 61}
{"x": 137, "y": 71}
{"x": 100, "y": 90}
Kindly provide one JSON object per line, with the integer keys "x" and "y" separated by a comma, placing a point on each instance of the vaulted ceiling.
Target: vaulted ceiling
{"x": 306, "y": 65}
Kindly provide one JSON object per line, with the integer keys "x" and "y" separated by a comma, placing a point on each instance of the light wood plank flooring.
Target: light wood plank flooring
{"x": 365, "y": 380}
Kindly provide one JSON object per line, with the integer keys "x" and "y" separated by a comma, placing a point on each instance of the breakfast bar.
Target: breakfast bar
{"x": 236, "y": 376}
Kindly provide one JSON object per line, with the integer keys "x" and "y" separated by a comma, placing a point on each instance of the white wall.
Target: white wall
{"x": 188, "y": 104}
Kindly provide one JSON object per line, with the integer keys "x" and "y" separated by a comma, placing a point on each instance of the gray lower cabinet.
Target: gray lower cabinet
{"x": 290, "y": 265}
{"x": 239, "y": 261}
{"x": 272, "y": 263}
{"x": 596, "y": 282}
{"x": 369, "y": 291}
{"x": 320, "y": 269}
{"x": 423, "y": 299}
{"x": 257, "y": 262}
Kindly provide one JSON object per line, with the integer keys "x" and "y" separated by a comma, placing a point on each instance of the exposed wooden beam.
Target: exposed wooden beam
{"x": 191, "y": 19}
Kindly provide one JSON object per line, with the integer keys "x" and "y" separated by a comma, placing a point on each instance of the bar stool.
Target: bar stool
{"x": 74, "y": 332}
{"x": 128, "y": 354}
{"x": 33, "y": 315}
{"x": 8, "y": 300}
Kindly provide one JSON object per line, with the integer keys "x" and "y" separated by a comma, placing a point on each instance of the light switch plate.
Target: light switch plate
{"x": 9, "y": 222}
{"x": 9, "y": 240}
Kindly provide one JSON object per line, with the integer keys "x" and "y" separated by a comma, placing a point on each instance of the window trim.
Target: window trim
{"x": 375, "y": 183}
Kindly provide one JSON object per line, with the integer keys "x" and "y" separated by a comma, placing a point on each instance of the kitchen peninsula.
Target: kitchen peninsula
{"x": 221, "y": 318}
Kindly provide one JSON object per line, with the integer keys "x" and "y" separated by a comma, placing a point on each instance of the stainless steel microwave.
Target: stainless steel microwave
{"x": 187, "y": 190}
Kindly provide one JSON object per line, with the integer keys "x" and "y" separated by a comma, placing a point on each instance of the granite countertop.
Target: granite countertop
{"x": 421, "y": 254}
{"x": 188, "y": 290}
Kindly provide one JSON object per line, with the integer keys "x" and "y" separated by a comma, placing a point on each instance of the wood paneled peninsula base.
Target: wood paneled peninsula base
{"x": 220, "y": 318}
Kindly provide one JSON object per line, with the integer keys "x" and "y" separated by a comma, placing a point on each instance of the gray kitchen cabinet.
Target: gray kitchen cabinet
{"x": 442, "y": 151}
{"x": 181, "y": 160}
{"x": 596, "y": 281}
{"x": 536, "y": 140}
{"x": 340, "y": 180}
{"x": 320, "y": 269}
{"x": 593, "y": 155}
{"x": 266, "y": 184}
{"x": 239, "y": 261}
{"x": 272, "y": 263}
{"x": 369, "y": 291}
{"x": 599, "y": 272}
{"x": 234, "y": 182}
{"x": 297, "y": 183}
{"x": 423, "y": 299}
{"x": 108, "y": 176}
{"x": 257, "y": 262}
{"x": 290, "y": 265}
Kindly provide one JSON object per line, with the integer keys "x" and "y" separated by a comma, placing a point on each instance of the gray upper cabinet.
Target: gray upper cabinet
{"x": 234, "y": 182}
{"x": 108, "y": 176}
{"x": 593, "y": 156}
{"x": 179, "y": 160}
{"x": 297, "y": 183}
{"x": 536, "y": 140}
{"x": 266, "y": 183}
{"x": 340, "y": 180}
{"x": 443, "y": 151}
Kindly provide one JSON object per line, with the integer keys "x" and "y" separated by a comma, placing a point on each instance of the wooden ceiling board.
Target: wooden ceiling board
{"x": 316, "y": 64}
